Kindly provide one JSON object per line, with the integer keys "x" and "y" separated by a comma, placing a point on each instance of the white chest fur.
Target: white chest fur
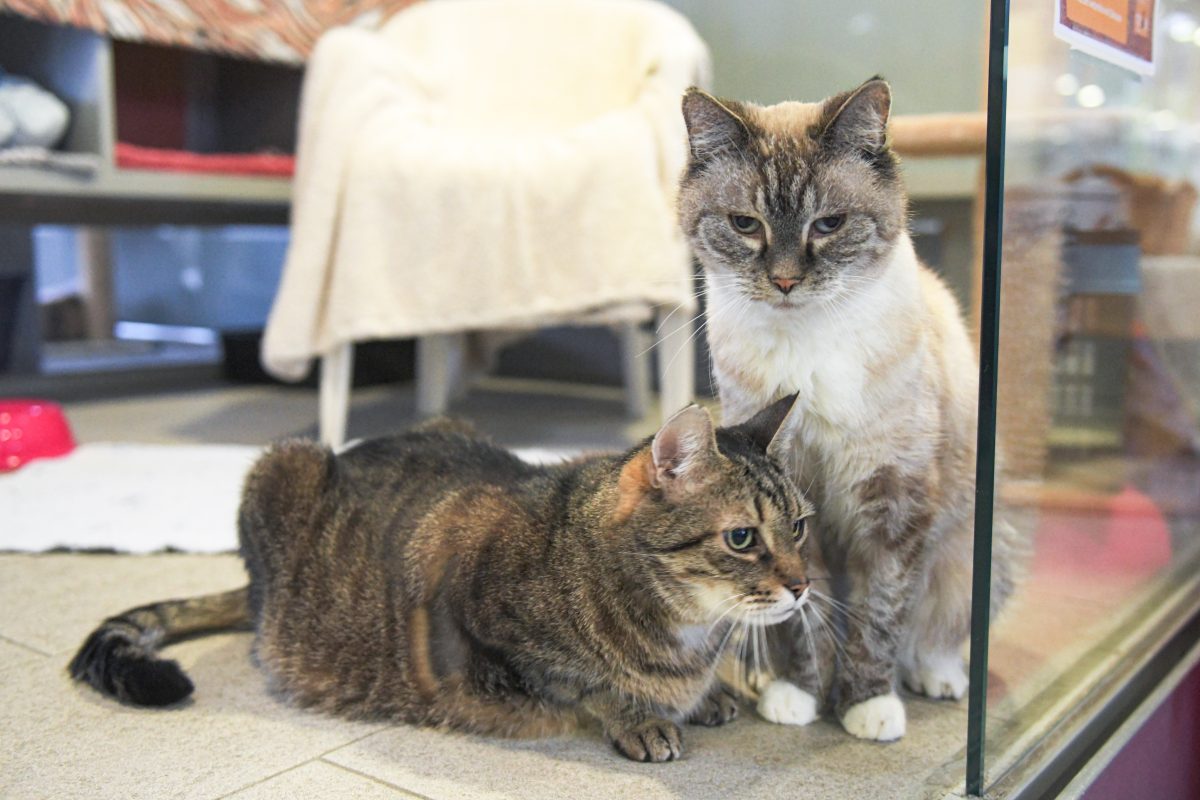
{"x": 842, "y": 358}
{"x": 856, "y": 368}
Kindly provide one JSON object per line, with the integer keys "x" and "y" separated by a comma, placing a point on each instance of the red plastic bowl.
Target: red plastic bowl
{"x": 31, "y": 429}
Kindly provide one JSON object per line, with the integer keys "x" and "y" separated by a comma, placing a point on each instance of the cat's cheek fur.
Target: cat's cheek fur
{"x": 785, "y": 704}
{"x": 880, "y": 719}
{"x": 711, "y": 600}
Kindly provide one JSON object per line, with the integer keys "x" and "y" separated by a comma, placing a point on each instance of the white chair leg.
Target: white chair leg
{"x": 439, "y": 368}
{"x": 676, "y": 361}
{"x": 636, "y": 344}
{"x": 337, "y": 372}
{"x": 461, "y": 375}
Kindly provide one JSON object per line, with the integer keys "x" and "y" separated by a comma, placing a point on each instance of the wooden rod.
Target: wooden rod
{"x": 939, "y": 135}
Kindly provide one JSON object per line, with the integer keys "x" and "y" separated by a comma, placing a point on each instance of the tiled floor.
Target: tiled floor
{"x": 234, "y": 739}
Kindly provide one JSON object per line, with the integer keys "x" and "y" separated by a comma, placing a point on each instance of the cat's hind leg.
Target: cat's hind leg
{"x": 939, "y": 618}
{"x": 279, "y": 495}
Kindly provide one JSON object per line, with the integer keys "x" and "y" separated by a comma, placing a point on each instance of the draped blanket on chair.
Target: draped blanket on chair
{"x": 486, "y": 164}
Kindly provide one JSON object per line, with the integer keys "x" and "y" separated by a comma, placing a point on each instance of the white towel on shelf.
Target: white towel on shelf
{"x": 470, "y": 166}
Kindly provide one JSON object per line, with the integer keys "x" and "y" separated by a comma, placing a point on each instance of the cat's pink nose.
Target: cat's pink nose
{"x": 798, "y": 586}
{"x": 784, "y": 284}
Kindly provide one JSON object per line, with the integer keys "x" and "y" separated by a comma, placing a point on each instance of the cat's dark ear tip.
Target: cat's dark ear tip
{"x": 876, "y": 85}
{"x": 693, "y": 95}
{"x": 880, "y": 84}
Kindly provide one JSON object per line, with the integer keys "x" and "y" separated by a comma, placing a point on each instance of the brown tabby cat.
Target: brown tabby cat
{"x": 799, "y": 215}
{"x": 434, "y": 578}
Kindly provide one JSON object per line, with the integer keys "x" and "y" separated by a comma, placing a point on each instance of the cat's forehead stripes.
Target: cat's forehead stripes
{"x": 785, "y": 139}
{"x": 782, "y": 187}
{"x": 768, "y": 482}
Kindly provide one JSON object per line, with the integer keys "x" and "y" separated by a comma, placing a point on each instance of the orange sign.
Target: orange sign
{"x": 1107, "y": 17}
{"x": 1120, "y": 31}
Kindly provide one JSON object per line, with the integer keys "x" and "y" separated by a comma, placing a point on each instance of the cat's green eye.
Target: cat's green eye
{"x": 827, "y": 225}
{"x": 798, "y": 528}
{"x": 745, "y": 225}
{"x": 741, "y": 538}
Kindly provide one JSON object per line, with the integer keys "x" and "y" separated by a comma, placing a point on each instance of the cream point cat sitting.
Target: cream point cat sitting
{"x": 797, "y": 213}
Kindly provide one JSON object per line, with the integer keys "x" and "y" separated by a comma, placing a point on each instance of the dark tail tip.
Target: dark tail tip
{"x": 115, "y": 664}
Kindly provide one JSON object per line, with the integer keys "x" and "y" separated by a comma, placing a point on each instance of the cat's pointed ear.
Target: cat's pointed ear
{"x": 859, "y": 120}
{"x": 713, "y": 125}
{"x": 682, "y": 450}
{"x": 771, "y": 427}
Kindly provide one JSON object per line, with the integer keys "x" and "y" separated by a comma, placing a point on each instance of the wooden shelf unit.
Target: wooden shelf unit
{"x": 231, "y": 104}
{"x": 79, "y": 67}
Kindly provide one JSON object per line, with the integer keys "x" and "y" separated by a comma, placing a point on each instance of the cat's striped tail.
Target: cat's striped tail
{"x": 120, "y": 657}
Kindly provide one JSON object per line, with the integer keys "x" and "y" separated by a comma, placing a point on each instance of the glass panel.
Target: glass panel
{"x": 1099, "y": 379}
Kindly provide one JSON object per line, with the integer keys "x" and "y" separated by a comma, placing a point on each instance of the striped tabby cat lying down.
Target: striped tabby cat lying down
{"x": 437, "y": 579}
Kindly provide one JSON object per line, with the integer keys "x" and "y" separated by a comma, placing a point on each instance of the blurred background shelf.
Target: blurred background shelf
{"x": 151, "y": 96}
{"x": 114, "y": 196}
{"x": 173, "y": 99}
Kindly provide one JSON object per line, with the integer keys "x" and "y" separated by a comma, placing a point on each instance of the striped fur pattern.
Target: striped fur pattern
{"x": 798, "y": 215}
{"x": 434, "y": 578}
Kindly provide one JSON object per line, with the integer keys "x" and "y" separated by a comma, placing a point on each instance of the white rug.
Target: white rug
{"x": 135, "y": 498}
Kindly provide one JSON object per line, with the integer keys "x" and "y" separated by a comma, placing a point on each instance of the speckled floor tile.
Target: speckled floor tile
{"x": 747, "y": 759}
{"x": 63, "y": 740}
{"x": 318, "y": 779}
{"x": 53, "y": 601}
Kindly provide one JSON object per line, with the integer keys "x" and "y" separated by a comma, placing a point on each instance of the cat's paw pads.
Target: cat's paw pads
{"x": 719, "y": 707}
{"x": 653, "y": 740}
{"x": 880, "y": 718}
{"x": 785, "y": 704}
{"x": 943, "y": 679}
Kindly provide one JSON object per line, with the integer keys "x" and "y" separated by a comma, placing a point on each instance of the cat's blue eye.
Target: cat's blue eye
{"x": 798, "y": 529}
{"x": 741, "y": 538}
{"x": 827, "y": 225}
{"x": 745, "y": 225}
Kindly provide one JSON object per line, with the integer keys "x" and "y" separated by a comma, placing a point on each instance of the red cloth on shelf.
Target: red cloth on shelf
{"x": 131, "y": 156}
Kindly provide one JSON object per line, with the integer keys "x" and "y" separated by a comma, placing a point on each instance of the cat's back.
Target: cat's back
{"x": 342, "y": 547}
{"x": 949, "y": 342}
{"x": 433, "y": 460}
{"x": 300, "y": 496}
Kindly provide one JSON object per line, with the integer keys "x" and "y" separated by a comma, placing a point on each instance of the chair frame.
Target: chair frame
{"x": 441, "y": 377}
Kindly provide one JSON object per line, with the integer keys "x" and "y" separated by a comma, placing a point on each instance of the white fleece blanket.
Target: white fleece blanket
{"x": 481, "y": 164}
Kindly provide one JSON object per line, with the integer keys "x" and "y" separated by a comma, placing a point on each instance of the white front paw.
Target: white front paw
{"x": 942, "y": 678}
{"x": 880, "y": 718}
{"x": 785, "y": 704}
